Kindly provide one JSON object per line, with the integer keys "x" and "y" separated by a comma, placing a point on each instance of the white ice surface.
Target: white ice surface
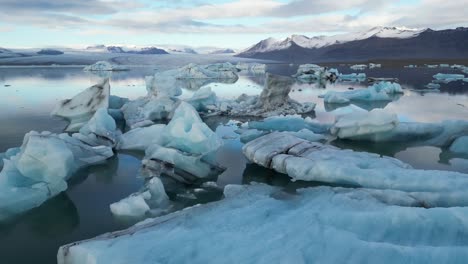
{"x": 261, "y": 224}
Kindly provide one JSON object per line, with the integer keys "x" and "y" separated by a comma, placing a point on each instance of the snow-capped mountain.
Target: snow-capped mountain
{"x": 376, "y": 43}
{"x": 272, "y": 44}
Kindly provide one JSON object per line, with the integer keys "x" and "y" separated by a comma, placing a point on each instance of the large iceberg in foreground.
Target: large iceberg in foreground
{"x": 100, "y": 130}
{"x": 304, "y": 160}
{"x": 262, "y": 224}
{"x": 79, "y": 109}
{"x": 40, "y": 168}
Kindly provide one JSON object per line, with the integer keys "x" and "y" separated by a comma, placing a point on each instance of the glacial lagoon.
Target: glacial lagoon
{"x": 28, "y": 95}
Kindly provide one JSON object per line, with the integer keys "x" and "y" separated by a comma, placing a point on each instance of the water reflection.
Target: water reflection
{"x": 83, "y": 211}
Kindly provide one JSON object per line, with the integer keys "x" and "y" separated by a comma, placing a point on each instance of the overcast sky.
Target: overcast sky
{"x": 221, "y": 23}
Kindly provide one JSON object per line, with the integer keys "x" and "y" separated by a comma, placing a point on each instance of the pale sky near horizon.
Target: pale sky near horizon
{"x": 220, "y": 23}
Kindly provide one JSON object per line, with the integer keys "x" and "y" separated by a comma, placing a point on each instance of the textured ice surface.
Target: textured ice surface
{"x": 460, "y": 145}
{"x": 444, "y": 77}
{"x": 274, "y": 100}
{"x": 38, "y": 170}
{"x": 139, "y": 204}
{"x": 380, "y": 91}
{"x": 162, "y": 85}
{"x": 362, "y": 123}
{"x": 79, "y": 109}
{"x": 203, "y": 100}
{"x": 322, "y": 224}
{"x": 187, "y": 132}
{"x": 143, "y": 111}
{"x": 289, "y": 123}
{"x": 142, "y": 137}
{"x": 100, "y": 130}
{"x": 105, "y": 66}
{"x": 184, "y": 167}
{"x": 303, "y": 160}
{"x": 313, "y": 72}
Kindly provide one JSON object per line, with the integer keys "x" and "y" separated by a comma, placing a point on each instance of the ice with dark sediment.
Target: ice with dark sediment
{"x": 79, "y": 109}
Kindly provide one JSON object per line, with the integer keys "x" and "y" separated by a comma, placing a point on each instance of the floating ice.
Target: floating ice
{"x": 411, "y": 66}
{"x": 183, "y": 167}
{"x": 358, "y": 67}
{"x": 311, "y": 72}
{"x": 143, "y": 111}
{"x": 203, "y": 100}
{"x": 460, "y": 145}
{"x": 38, "y": 170}
{"x": 303, "y": 160}
{"x": 446, "y": 78}
{"x": 364, "y": 123}
{"x": 352, "y": 77}
{"x": 434, "y": 86}
{"x": 139, "y": 204}
{"x": 378, "y": 92}
{"x": 321, "y": 224}
{"x": 274, "y": 100}
{"x": 82, "y": 106}
{"x": 105, "y": 66}
{"x": 375, "y": 65}
{"x": 431, "y": 134}
{"x": 162, "y": 85}
{"x": 289, "y": 123}
{"x": 100, "y": 130}
{"x": 188, "y": 133}
{"x": 257, "y": 67}
{"x": 142, "y": 137}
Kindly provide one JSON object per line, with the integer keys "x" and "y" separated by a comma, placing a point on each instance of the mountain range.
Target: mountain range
{"x": 376, "y": 43}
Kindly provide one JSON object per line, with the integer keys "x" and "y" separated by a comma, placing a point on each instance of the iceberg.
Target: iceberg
{"x": 358, "y": 67}
{"x": 100, "y": 130}
{"x": 313, "y": 72}
{"x": 364, "y": 123}
{"x": 142, "y": 137}
{"x": 143, "y": 111}
{"x": 312, "y": 161}
{"x": 320, "y": 224}
{"x": 181, "y": 166}
{"x": 380, "y": 91}
{"x": 105, "y": 66}
{"x": 382, "y": 126}
{"x": 162, "y": 86}
{"x": 460, "y": 145}
{"x": 39, "y": 169}
{"x": 257, "y": 67}
{"x": 187, "y": 132}
{"x": 411, "y": 66}
{"x": 375, "y": 65}
{"x": 274, "y": 100}
{"x": 203, "y": 100}
{"x": 352, "y": 77}
{"x": 79, "y": 109}
{"x": 446, "y": 78}
{"x": 292, "y": 123}
{"x": 139, "y": 204}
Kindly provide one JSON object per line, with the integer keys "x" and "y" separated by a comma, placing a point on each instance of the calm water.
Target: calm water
{"x": 27, "y": 95}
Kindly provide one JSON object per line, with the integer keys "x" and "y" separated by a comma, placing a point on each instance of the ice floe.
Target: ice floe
{"x": 137, "y": 205}
{"x": 105, "y": 66}
{"x": 358, "y": 67}
{"x": 79, "y": 109}
{"x": 460, "y": 145}
{"x": 274, "y": 100}
{"x": 381, "y": 91}
{"x": 38, "y": 170}
{"x": 313, "y": 72}
{"x": 304, "y": 160}
{"x": 322, "y": 224}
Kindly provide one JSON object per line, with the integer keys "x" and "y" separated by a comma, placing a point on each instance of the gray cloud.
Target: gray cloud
{"x": 67, "y": 6}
